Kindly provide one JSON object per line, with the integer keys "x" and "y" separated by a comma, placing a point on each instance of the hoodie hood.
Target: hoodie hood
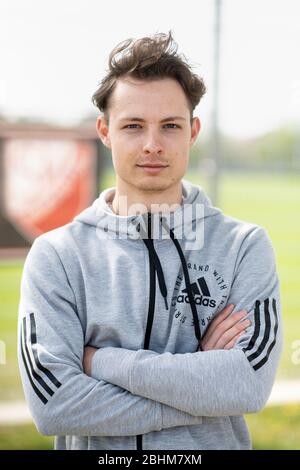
{"x": 195, "y": 207}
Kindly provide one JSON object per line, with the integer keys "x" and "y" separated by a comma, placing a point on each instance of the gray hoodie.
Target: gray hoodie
{"x": 143, "y": 289}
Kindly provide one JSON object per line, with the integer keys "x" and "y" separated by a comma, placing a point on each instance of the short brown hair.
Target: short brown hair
{"x": 149, "y": 58}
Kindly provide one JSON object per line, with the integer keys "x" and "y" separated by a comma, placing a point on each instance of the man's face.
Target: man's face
{"x": 149, "y": 123}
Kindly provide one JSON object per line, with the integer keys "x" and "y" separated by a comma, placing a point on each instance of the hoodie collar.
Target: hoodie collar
{"x": 194, "y": 208}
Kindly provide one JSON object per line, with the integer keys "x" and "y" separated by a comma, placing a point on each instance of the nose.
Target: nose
{"x": 152, "y": 144}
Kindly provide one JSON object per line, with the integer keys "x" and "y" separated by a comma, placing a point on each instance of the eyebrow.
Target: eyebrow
{"x": 138, "y": 119}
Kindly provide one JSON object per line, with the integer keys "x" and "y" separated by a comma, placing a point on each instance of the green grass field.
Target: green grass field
{"x": 274, "y": 203}
{"x": 270, "y": 201}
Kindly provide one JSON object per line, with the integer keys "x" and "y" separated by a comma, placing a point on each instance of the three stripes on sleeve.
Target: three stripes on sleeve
{"x": 43, "y": 382}
{"x": 264, "y": 335}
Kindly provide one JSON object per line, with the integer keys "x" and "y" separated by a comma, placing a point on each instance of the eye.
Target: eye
{"x": 136, "y": 126}
{"x": 129, "y": 126}
{"x": 171, "y": 124}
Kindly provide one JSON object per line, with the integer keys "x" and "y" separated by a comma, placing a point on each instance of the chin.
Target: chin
{"x": 151, "y": 183}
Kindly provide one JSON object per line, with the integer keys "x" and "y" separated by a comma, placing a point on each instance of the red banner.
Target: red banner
{"x": 47, "y": 182}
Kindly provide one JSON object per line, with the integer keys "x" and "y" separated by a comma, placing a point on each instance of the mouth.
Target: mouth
{"x": 152, "y": 169}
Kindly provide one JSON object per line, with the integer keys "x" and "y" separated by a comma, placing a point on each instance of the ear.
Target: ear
{"x": 103, "y": 131}
{"x": 196, "y": 126}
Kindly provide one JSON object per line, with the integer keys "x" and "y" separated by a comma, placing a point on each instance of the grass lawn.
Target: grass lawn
{"x": 24, "y": 437}
{"x": 276, "y": 428}
{"x": 270, "y": 201}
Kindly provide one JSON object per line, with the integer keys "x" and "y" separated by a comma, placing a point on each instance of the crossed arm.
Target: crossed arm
{"x": 222, "y": 333}
{"x": 234, "y": 371}
{"x": 224, "y": 379}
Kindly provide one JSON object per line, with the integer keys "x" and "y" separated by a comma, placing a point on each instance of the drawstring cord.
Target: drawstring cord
{"x": 154, "y": 257}
{"x": 162, "y": 285}
{"x": 186, "y": 277}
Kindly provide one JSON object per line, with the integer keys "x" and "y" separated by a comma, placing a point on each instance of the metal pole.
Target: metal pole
{"x": 215, "y": 134}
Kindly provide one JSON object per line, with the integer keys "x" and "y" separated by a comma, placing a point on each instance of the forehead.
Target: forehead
{"x": 139, "y": 96}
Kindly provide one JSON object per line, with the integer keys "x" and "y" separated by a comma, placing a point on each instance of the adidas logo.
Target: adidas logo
{"x": 201, "y": 294}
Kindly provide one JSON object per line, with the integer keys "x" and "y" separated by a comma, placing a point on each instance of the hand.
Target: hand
{"x": 224, "y": 330}
{"x": 87, "y": 359}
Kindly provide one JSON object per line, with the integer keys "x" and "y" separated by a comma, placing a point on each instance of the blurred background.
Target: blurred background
{"x": 53, "y": 55}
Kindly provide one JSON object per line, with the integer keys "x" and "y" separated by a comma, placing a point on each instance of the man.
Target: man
{"x": 144, "y": 325}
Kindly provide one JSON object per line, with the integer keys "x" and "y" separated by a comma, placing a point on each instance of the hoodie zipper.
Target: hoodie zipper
{"x": 151, "y": 307}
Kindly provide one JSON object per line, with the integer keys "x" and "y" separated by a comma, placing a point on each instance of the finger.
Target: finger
{"x": 221, "y": 316}
{"x": 232, "y": 332}
{"x": 234, "y": 318}
{"x": 230, "y": 322}
{"x": 216, "y": 333}
{"x": 232, "y": 343}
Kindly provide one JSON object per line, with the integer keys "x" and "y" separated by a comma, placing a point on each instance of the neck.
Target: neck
{"x": 133, "y": 201}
